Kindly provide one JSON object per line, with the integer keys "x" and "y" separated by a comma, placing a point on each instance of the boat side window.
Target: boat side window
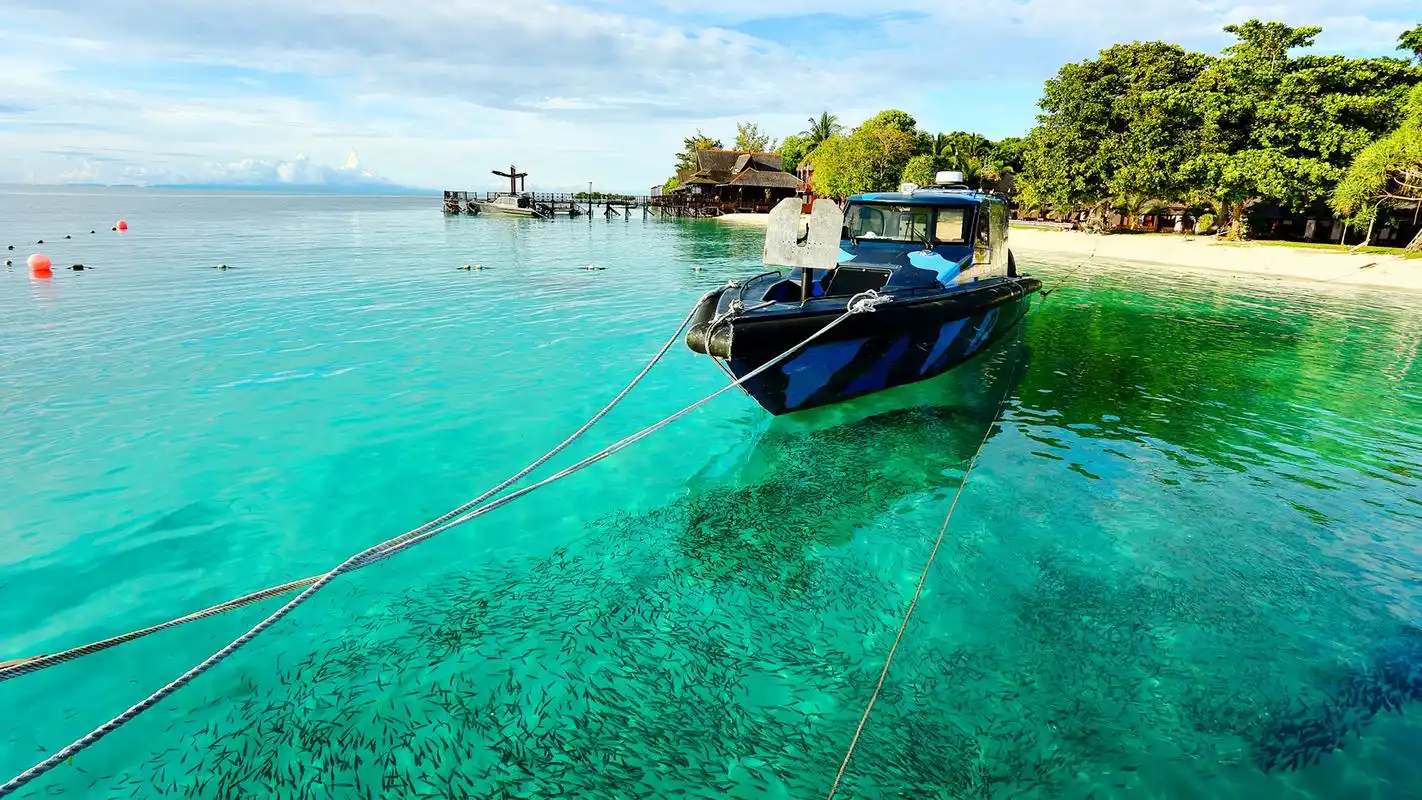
{"x": 982, "y": 245}
{"x": 951, "y": 226}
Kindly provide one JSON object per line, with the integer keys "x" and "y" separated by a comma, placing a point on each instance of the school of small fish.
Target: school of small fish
{"x": 723, "y": 645}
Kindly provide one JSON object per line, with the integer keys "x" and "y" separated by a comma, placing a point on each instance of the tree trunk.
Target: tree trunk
{"x": 1416, "y": 244}
{"x": 1236, "y": 222}
{"x": 1369, "y": 238}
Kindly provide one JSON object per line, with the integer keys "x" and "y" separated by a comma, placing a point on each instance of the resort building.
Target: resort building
{"x": 739, "y": 180}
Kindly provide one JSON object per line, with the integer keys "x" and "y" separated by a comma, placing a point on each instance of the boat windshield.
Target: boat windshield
{"x": 907, "y": 223}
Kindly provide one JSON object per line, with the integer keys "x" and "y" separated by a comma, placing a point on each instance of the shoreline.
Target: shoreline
{"x": 1205, "y": 255}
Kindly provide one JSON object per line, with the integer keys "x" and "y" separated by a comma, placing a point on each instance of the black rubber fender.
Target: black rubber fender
{"x": 701, "y": 319}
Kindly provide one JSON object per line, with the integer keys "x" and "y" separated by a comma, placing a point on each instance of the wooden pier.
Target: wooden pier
{"x": 550, "y": 205}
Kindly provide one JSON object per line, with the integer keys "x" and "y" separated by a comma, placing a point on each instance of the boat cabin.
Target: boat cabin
{"x": 917, "y": 238}
{"x": 502, "y": 200}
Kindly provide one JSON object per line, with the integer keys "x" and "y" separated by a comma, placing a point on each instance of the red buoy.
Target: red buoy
{"x": 39, "y": 266}
{"x": 123, "y": 226}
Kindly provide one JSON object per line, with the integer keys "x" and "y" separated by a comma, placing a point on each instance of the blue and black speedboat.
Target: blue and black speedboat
{"x": 936, "y": 260}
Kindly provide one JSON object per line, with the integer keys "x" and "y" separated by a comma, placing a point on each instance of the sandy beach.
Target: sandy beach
{"x": 1207, "y": 255}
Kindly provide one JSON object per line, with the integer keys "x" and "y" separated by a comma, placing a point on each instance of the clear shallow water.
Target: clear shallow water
{"x": 1184, "y": 566}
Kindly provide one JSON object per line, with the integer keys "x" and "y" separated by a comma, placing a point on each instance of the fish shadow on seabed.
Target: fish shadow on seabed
{"x": 813, "y": 479}
{"x": 1389, "y": 682}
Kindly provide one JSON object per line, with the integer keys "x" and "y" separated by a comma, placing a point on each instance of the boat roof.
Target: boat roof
{"x": 927, "y": 197}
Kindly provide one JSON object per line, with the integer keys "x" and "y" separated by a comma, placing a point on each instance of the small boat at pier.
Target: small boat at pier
{"x": 937, "y": 263}
{"x": 508, "y": 205}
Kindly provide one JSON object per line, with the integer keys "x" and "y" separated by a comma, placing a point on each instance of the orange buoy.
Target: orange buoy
{"x": 122, "y": 226}
{"x": 39, "y": 265}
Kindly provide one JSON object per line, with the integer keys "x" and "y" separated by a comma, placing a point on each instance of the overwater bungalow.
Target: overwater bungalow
{"x": 740, "y": 180}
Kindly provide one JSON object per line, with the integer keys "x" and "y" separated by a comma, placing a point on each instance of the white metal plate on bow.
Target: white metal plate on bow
{"x": 793, "y": 241}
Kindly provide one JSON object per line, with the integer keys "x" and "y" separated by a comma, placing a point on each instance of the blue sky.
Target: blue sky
{"x": 436, "y": 93}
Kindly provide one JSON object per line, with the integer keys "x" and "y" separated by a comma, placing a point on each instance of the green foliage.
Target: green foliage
{"x": 671, "y": 184}
{"x": 686, "y": 159}
{"x": 749, "y": 136}
{"x": 839, "y": 171}
{"x": 825, "y": 127}
{"x": 1387, "y": 171}
{"x": 1282, "y": 129}
{"x": 1411, "y": 41}
{"x": 792, "y": 151}
{"x": 870, "y": 159}
{"x": 1150, "y": 121}
{"x": 1009, "y": 155}
{"x": 1205, "y": 223}
{"x": 966, "y": 152}
{"x": 1114, "y": 126}
{"x": 894, "y": 119}
{"x": 1029, "y": 198}
{"x": 921, "y": 170}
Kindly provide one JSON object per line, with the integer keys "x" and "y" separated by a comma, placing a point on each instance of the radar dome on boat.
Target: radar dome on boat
{"x": 949, "y": 176}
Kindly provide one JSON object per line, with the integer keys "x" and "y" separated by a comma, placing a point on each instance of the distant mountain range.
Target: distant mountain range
{"x": 296, "y": 188}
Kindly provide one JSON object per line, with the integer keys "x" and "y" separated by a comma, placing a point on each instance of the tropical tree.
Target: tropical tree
{"x": 821, "y": 129}
{"x": 1411, "y": 41}
{"x": 894, "y": 119}
{"x": 965, "y": 152}
{"x": 1113, "y": 126}
{"x": 1282, "y": 129}
{"x": 749, "y": 136}
{"x": 921, "y": 170}
{"x": 1009, "y": 154}
{"x": 686, "y": 159}
{"x": 792, "y": 151}
{"x": 1389, "y": 171}
{"x": 871, "y": 158}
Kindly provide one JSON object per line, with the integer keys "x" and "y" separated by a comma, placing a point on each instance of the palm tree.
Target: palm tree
{"x": 942, "y": 144}
{"x": 965, "y": 152}
{"x": 821, "y": 129}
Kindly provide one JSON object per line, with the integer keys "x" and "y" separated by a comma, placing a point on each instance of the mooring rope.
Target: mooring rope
{"x": 14, "y": 669}
{"x": 25, "y": 666}
{"x": 864, "y": 302}
{"x": 1047, "y": 292}
{"x": 918, "y": 590}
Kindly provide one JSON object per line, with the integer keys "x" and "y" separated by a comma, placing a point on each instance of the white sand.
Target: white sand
{"x": 1205, "y": 254}
{"x": 744, "y": 219}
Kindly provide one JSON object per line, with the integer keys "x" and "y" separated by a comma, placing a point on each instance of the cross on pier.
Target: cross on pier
{"x": 514, "y": 177}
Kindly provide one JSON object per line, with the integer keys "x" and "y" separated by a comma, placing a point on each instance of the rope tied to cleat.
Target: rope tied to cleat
{"x": 861, "y": 303}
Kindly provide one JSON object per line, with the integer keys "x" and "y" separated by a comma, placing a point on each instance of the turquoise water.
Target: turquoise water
{"x": 1184, "y": 566}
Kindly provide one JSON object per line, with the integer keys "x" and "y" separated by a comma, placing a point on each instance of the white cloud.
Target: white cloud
{"x": 439, "y": 92}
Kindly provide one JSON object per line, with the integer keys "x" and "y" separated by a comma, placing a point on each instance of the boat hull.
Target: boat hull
{"x": 882, "y": 350}
{"x": 504, "y": 211}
